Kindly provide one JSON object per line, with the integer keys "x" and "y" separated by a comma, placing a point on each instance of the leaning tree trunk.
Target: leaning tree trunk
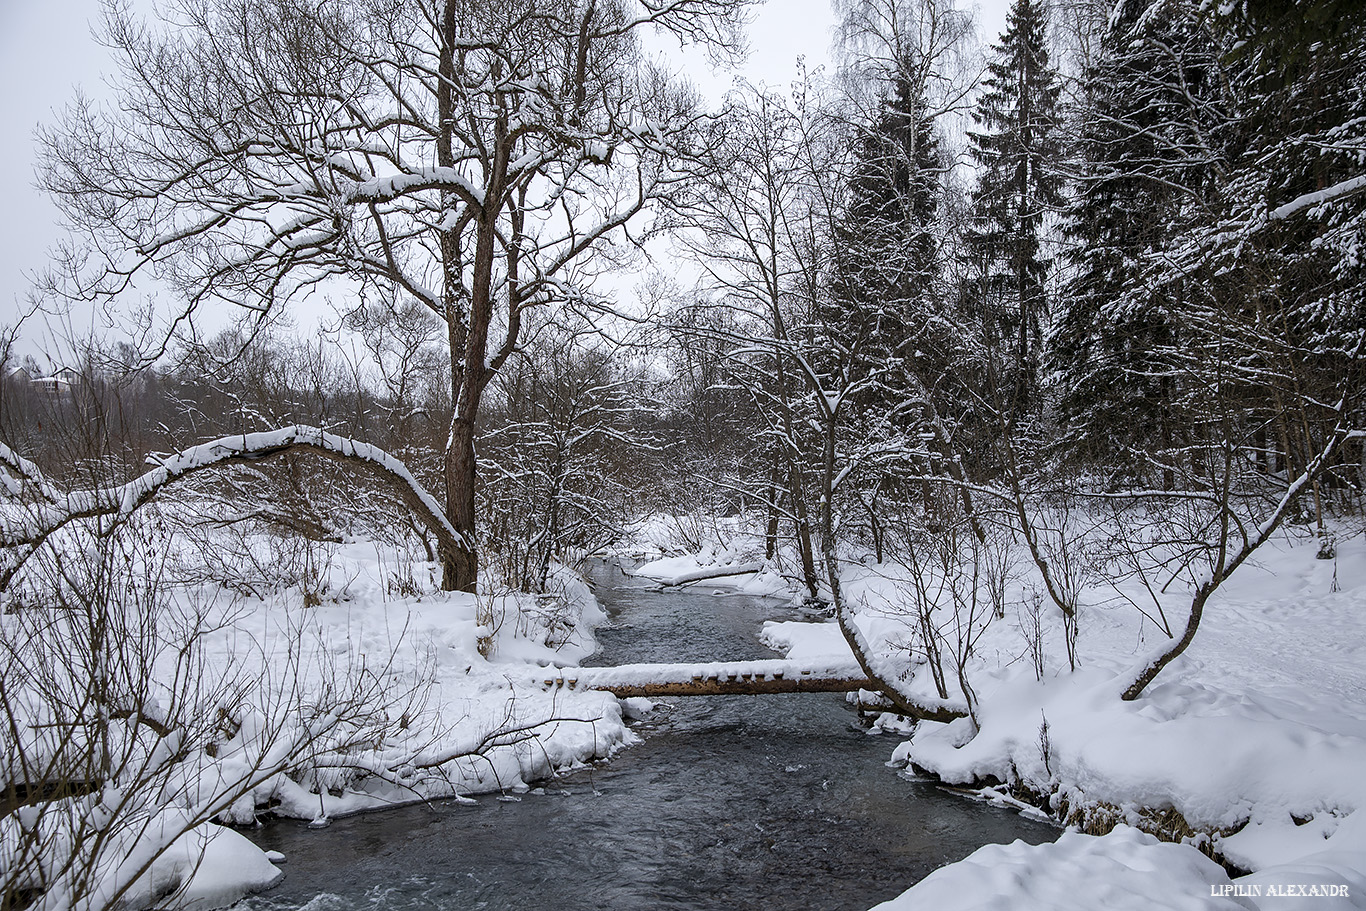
{"x": 882, "y": 676}
{"x": 1147, "y": 670}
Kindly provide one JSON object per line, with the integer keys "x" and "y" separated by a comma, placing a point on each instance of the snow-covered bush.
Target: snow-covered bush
{"x": 148, "y": 695}
{"x": 132, "y": 717}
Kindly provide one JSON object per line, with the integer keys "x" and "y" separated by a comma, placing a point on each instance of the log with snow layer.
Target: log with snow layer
{"x": 721, "y": 678}
{"x": 706, "y": 572}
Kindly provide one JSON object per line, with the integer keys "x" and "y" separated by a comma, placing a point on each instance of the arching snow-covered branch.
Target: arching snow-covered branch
{"x": 17, "y": 473}
{"x": 1338, "y": 190}
{"x": 26, "y": 528}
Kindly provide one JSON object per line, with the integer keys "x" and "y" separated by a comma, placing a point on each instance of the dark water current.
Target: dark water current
{"x": 766, "y": 803}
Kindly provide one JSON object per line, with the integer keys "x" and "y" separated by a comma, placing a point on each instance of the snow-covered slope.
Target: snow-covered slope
{"x": 1258, "y": 735}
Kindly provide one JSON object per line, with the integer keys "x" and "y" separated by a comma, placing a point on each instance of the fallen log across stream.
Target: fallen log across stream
{"x": 703, "y": 574}
{"x": 722, "y": 678}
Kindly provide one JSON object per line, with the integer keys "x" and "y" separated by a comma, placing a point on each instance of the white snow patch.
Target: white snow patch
{"x": 1261, "y": 724}
{"x": 1126, "y": 870}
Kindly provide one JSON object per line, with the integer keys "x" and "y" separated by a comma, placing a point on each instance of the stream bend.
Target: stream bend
{"x": 768, "y": 803}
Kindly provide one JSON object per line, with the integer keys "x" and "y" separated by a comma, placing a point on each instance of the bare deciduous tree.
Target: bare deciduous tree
{"x": 467, "y": 156}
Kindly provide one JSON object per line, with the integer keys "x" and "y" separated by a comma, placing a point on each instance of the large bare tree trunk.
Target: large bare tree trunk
{"x": 460, "y": 567}
{"x": 470, "y": 368}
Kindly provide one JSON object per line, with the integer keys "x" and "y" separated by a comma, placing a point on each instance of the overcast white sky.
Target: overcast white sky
{"x": 47, "y": 51}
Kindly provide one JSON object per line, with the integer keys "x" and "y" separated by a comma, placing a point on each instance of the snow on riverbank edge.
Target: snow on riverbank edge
{"x": 1251, "y": 746}
{"x": 470, "y": 724}
{"x": 1256, "y": 738}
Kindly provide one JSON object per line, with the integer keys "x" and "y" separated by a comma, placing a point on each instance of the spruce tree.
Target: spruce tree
{"x": 1147, "y": 155}
{"x": 1275, "y": 264}
{"x": 1017, "y": 150}
{"x": 882, "y": 313}
{"x": 1305, "y": 87}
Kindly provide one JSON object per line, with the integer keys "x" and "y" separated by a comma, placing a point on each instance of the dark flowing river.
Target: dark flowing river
{"x": 746, "y": 802}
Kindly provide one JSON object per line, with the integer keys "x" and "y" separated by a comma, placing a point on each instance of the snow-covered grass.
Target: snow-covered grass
{"x": 1251, "y": 746}
{"x": 474, "y": 709}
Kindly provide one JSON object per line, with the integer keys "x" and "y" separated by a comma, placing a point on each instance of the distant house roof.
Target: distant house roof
{"x": 63, "y": 379}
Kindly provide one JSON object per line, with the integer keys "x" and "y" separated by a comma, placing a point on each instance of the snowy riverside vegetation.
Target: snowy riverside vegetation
{"x": 1034, "y": 362}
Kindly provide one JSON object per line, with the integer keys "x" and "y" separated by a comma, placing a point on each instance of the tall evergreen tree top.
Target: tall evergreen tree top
{"x": 1019, "y": 149}
{"x": 1018, "y": 152}
{"x": 882, "y": 308}
{"x": 1021, "y": 79}
{"x": 894, "y": 185}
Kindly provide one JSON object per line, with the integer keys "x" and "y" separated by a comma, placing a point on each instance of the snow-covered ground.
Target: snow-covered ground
{"x": 1253, "y": 744}
{"x": 429, "y": 639}
{"x": 362, "y": 688}
{"x": 1257, "y": 734}
{"x": 1256, "y": 737}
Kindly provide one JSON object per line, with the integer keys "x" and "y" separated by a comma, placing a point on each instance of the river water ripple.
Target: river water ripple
{"x": 766, "y": 803}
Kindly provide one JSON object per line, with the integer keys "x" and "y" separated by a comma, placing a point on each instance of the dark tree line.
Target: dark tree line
{"x": 1148, "y": 292}
{"x": 560, "y": 441}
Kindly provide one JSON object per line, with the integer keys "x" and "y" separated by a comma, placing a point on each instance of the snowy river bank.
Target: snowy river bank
{"x": 756, "y": 802}
{"x": 1250, "y": 749}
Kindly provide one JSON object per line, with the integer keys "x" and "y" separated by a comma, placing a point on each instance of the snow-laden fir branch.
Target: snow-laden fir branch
{"x": 1338, "y": 190}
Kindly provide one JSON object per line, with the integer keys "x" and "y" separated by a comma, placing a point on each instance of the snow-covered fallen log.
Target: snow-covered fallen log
{"x": 701, "y": 575}
{"x": 712, "y": 679}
